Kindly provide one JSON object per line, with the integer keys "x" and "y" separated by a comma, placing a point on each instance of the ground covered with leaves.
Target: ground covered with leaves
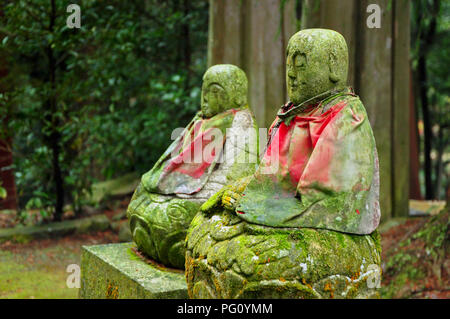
{"x": 416, "y": 258}
{"x": 38, "y": 269}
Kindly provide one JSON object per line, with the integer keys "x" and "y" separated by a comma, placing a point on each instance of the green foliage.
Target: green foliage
{"x": 122, "y": 83}
{"x": 2, "y": 193}
{"x": 433, "y": 17}
{"x": 33, "y": 274}
{"x": 417, "y": 263}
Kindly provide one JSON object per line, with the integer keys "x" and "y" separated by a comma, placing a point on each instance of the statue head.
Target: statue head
{"x": 224, "y": 87}
{"x": 317, "y": 61}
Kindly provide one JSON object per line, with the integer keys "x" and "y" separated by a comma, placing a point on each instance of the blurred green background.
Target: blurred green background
{"x": 90, "y": 104}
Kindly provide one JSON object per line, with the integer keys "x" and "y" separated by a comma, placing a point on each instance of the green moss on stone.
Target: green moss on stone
{"x": 292, "y": 262}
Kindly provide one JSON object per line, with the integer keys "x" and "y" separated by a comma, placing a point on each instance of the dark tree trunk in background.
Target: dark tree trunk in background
{"x": 414, "y": 190}
{"x": 426, "y": 39}
{"x": 6, "y": 156}
{"x": 401, "y": 72}
{"x": 55, "y": 136}
{"x": 186, "y": 42}
{"x": 7, "y": 175}
{"x": 422, "y": 74}
{"x": 439, "y": 167}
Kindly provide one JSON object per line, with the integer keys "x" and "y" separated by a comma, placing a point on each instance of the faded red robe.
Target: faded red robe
{"x": 186, "y": 165}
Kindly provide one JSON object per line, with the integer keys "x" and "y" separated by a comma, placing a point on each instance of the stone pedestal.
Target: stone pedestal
{"x": 115, "y": 271}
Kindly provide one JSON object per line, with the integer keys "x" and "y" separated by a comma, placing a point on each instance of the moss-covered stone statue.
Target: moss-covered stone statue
{"x": 304, "y": 224}
{"x": 216, "y": 148}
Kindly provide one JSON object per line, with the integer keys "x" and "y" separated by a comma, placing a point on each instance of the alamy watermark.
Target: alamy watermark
{"x": 74, "y": 19}
{"x": 374, "y": 19}
{"x": 374, "y": 276}
{"x": 213, "y": 145}
{"x": 73, "y": 280}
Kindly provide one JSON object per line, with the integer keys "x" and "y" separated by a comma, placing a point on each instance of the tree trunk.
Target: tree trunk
{"x": 401, "y": 160}
{"x": 427, "y": 134}
{"x": 55, "y": 136}
{"x": 186, "y": 43}
{"x": 6, "y": 156}
{"x": 414, "y": 190}
{"x": 7, "y": 175}
{"x": 439, "y": 168}
{"x": 426, "y": 40}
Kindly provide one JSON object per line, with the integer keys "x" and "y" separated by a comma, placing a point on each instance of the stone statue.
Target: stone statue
{"x": 303, "y": 225}
{"x": 216, "y": 148}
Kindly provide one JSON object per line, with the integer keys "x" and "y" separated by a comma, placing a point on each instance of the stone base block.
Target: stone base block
{"x": 115, "y": 271}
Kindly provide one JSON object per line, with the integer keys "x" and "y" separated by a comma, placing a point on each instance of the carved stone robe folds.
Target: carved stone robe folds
{"x": 319, "y": 170}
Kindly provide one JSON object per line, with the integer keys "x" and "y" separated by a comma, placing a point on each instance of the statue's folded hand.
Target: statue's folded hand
{"x": 212, "y": 202}
{"x": 233, "y": 193}
{"x": 230, "y": 199}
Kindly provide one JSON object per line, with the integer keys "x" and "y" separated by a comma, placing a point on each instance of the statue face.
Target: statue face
{"x": 224, "y": 87}
{"x": 307, "y": 74}
{"x": 316, "y": 62}
{"x": 214, "y": 98}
